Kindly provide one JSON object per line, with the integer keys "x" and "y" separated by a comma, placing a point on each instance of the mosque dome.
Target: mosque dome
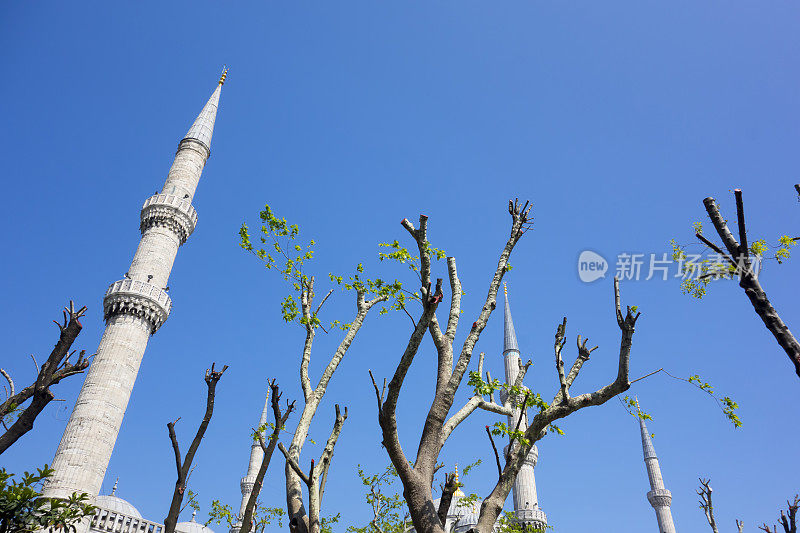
{"x": 463, "y": 514}
{"x": 192, "y": 527}
{"x": 117, "y": 505}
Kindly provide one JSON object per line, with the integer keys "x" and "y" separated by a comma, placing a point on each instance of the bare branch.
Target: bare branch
{"x": 10, "y": 391}
{"x": 494, "y": 448}
{"x": 455, "y": 299}
{"x": 706, "y": 504}
{"x": 327, "y": 453}
{"x": 212, "y": 377}
{"x": 294, "y": 465}
{"x": 54, "y": 369}
{"x": 492, "y": 505}
{"x": 749, "y": 281}
{"x": 559, "y": 345}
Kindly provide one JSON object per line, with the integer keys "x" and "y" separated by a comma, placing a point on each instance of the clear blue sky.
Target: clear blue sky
{"x": 615, "y": 118}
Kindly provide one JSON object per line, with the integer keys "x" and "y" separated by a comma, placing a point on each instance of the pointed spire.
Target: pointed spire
{"x": 114, "y": 489}
{"x": 263, "y": 420}
{"x": 194, "y": 514}
{"x": 509, "y": 335}
{"x": 647, "y": 443}
{"x": 203, "y": 126}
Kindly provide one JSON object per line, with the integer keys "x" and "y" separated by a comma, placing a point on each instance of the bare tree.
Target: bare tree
{"x": 318, "y": 473}
{"x": 738, "y": 257}
{"x": 706, "y": 504}
{"x": 184, "y": 466}
{"x": 56, "y": 368}
{"x": 789, "y": 519}
{"x": 280, "y": 236}
{"x": 268, "y": 448}
{"x": 417, "y": 476}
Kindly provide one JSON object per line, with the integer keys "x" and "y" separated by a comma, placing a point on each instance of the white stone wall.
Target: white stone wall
{"x": 155, "y": 256}
{"x": 85, "y": 449}
{"x": 185, "y": 172}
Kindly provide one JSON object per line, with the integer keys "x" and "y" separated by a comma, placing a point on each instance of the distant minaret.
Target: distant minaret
{"x": 248, "y": 481}
{"x": 526, "y": 501}
{"x": 134, "y": 308}
{"x": 659, "y": 497}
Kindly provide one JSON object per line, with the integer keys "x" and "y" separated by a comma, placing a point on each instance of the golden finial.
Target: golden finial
{"x": 458, "y": 492}
{"x": 505, "y": 288}
{"x": 636, "y": 401}
{"x": 224, "y": 75}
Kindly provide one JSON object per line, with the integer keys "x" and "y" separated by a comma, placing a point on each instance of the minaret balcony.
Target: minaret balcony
{"x": 530, "y": 460}
{"x": 515, "y": 401}
{"x": 534, "y": 517}
{"x": 137, "y": 298}
{"x": 659, "y": 497}
{"x": 247, "y": 484}
{"x": 170, "y": 211}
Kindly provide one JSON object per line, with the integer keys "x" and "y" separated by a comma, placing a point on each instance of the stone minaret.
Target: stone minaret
{"x": 659, "y": 497}
{"x": 526, "y": 501}
{"x": 134, "y": 308}
{"x": 248, "y": 481}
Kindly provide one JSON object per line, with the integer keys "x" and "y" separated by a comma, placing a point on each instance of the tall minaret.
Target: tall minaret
{"x": 134, "y": 308}
{"x": 256, "y": 457}
{"x": 659, "y": 497}
{"x": 526, "y": 501}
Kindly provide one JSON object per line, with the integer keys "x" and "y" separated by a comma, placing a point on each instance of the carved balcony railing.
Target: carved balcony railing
{"x": 138, "y": 298}
{"x": 170, "y": 211}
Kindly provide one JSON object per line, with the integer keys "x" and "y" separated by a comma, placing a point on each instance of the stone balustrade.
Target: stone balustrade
{"x": 659, "y": 497}
{"x": 170, "y": 211}
{"x": 138, "y": 298}
{"x": 535, "y": 517}
{"x": 115, "y": 522}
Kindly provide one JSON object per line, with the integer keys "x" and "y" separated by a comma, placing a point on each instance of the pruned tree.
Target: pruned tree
{"x": 741, "y": 261}
{"x": 707, "y": 505}
{"x": 183, "y": 466}
{"x": 417, "y": 475}
{"x": 55, "y": 368}
{"x": 278, "y": 251}
{"x": 317, "y": 475}
{"x": 268, "y": 448}
{"x": 788, "y": 520}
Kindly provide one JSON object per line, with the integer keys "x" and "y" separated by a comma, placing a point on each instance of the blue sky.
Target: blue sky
{"x": 615, "y": 118}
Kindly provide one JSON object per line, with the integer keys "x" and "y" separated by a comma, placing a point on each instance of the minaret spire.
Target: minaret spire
{"x": 256, "y": 458}
{"x": 526, "y": 501}
{"x": 203, "y": 127}
{"x": 135, "y": 307}
{"x": 659, "y": 497}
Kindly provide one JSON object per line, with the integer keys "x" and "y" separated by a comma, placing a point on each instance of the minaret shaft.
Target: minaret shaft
{"x": 134, "y": 308}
